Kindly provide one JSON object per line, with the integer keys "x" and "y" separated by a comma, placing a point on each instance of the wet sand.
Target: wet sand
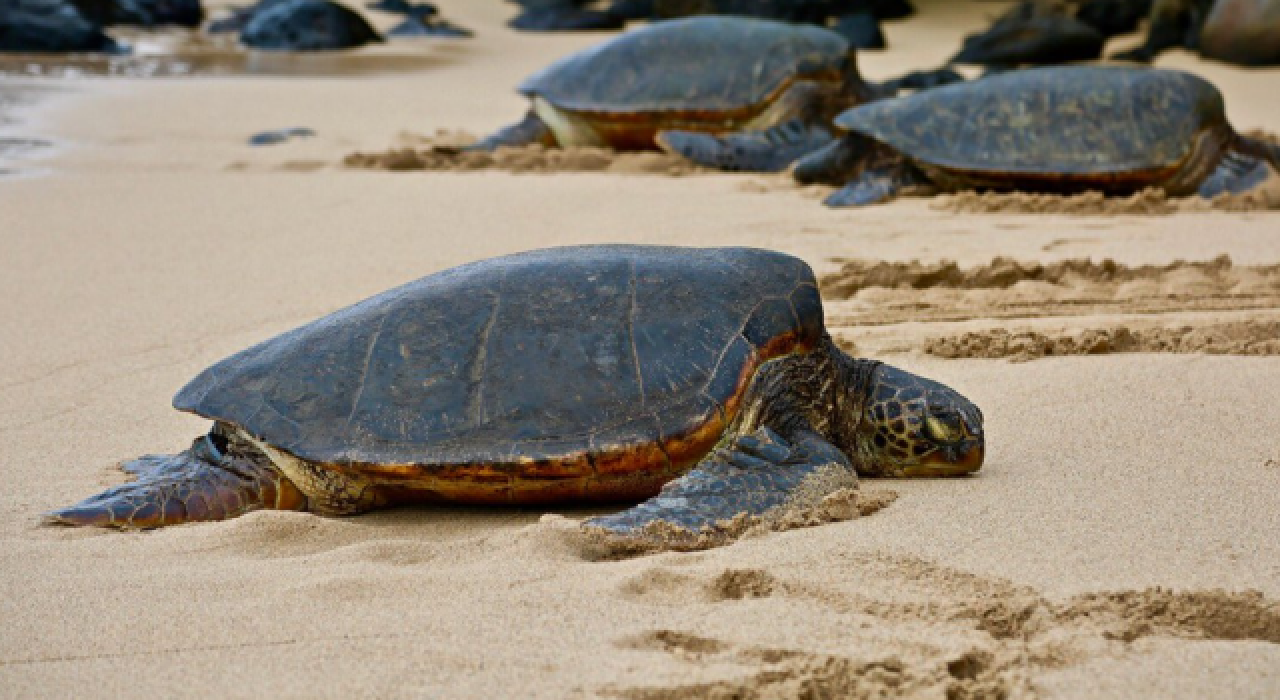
{"x": 1120, "y": 540}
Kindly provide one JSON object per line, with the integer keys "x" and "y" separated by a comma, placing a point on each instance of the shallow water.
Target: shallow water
{"x": 176, "y": 52}
{"x": 16, "y": 146}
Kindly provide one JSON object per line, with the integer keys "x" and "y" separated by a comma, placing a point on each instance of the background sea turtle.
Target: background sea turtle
{"x": 1062, "y": 129}
{"x": 702, "y": 74}
{"x": 596, "y": 373}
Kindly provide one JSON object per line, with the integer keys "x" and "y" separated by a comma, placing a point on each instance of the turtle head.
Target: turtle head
{"x": 912, "y": 426}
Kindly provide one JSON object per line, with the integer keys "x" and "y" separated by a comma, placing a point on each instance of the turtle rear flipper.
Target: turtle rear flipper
{"x": 768, "y": 151}
{"x": 527, "y": 132}
{"x": 202, "y": 483}
{"x": 760, "y": 475}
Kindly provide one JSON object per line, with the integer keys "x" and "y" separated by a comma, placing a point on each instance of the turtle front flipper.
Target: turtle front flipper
{"x": 876, "y": 185}
{"x": 768, "y": 151}
{"x": 756, "y": 479}
{"x": 202, "y": 483}
{"x": 1236, "y": 173}
{"x": 527, "y": 132}
{"x": 1259, "y": 148}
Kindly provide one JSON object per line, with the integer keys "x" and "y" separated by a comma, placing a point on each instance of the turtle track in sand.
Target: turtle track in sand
{"x": 1211, "y": 306}
{"x": 441, "y": 152}
{"x": 1228, "y": 338}
{"x": 1012, "y": 634}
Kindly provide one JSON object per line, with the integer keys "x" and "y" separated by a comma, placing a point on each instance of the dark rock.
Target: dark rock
{"x": 1032, "y": 34}
{"x": 267, "y": 138}
{"x": 415, "y": 27}
{"x": 632, "y": 9}
{"x": 1113, "y": 17}
{"x": 403, "y": 7}
{"x": 50, "y": 26}
{"x": 307, "y": 25}
{"x": 861, "y": 29}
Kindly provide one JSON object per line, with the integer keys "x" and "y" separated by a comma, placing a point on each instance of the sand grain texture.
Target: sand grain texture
{"x": 1120, "y": 540}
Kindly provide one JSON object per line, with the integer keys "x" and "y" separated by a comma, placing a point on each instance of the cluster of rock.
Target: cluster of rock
{"x": 64, "y": 26}
{"x": 1046, "y": 32}
{"x": 45, "y": 26}
{"x": 857, "y": 20}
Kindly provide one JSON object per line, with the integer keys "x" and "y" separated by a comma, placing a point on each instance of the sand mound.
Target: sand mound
{"x": 443, "y": 152}
{"x": 880, "y": 293}
{"x": 1237, "y": 338}
{"x": 1002, "y": 273}
{"x": 1148, "y": 202}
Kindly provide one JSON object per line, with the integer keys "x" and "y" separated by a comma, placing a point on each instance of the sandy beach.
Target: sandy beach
{"x": 1120, "y": 541}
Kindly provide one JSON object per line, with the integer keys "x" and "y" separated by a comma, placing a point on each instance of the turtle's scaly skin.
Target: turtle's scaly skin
{"x": 1114, "y": 129}
{"x": 566, "y": 374}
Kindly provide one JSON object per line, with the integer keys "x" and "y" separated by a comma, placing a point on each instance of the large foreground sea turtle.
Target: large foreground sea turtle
{"x": 703, "y": 74}
{"x": 595, "y": 373}
{"x": 1063, "y": 129}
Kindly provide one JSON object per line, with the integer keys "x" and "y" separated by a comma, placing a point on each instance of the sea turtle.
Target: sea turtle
{"x": 1116, "y": 129}
{"x": 567, "y": 375}
{"x": 702, "y": 74}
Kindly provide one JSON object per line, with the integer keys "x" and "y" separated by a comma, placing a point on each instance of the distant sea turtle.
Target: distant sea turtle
{"x": 1063, "y": 129}
{"x": 703, "y": 74}
{"x": 595, "y": 373}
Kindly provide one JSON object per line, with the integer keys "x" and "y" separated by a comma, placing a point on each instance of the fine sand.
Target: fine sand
{"x": 1121, "y": 540}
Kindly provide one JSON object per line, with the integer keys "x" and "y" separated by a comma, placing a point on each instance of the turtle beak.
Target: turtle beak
{"x": 950, "y": 460}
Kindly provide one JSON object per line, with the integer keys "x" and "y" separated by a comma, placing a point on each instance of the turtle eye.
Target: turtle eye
{"x": 944, "y": 425}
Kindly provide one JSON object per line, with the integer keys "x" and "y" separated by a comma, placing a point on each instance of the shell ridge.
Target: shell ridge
{"x": 361, "y": 381}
